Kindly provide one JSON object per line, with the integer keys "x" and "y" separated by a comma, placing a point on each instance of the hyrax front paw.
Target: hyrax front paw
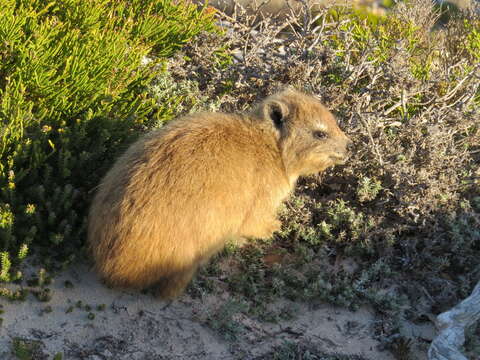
{"x": 262, "y": 230}
{"x": 271, "y": 228}
{"x": 276, "y": 226}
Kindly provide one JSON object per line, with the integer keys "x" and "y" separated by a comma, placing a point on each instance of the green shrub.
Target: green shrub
{"x": 73, "y": 77}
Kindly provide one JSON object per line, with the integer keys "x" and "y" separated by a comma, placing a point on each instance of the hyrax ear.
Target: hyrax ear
{"x": 277, "y": 112}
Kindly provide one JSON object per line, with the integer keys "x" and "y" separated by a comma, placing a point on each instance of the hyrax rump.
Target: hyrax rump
{"x": 171, "y": 201}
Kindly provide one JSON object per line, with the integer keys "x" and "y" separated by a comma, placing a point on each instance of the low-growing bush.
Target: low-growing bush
{"x": 398, "y": 225}
{"x": 303, "y": 350}
{"x": 73, "y": 92}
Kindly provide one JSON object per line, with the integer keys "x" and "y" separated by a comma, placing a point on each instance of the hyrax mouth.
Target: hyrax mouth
{"x": 339, "y": 159}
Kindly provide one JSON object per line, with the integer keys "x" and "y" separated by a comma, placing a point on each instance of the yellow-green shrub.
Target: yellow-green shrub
{"x": 73, "y": 75}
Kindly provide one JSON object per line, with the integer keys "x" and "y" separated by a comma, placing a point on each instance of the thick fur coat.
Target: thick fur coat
{"x": 178, "y": 193}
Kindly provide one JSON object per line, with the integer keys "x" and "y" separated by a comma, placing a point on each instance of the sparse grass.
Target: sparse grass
{"x": 224, "y": 322}
{"x": 25, "y": 349}
{"x": 73, "y": 93}
{"x": 303, "y": 351}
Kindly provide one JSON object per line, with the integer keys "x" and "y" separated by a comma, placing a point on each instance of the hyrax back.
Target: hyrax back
{"x": 170, "y": 202}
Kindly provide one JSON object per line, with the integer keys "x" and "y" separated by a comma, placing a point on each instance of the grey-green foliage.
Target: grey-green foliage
{"x": 25, "y": 349}
{"x": 182, "y": 97}
{"x": 403, "y": 213}
{"x": 368, "y": 189}
{"x": 223, "y": 320}
{"x": 289, "y": 350}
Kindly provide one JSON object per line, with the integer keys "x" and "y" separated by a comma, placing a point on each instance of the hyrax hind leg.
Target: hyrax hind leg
{"x": 171, "y": 287}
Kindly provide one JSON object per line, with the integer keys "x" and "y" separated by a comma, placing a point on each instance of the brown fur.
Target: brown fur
{"x": 170, "y": 202}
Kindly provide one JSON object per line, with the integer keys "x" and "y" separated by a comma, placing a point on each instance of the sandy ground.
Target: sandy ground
{"x": 137, "y": 326}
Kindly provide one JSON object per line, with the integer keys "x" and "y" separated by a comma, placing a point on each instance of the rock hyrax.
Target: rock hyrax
{"x": 171, "y": 201}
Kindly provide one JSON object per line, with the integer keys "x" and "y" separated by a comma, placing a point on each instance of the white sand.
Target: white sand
{"x": 135, "y": 326}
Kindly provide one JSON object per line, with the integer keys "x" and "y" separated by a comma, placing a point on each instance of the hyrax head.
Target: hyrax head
{"x": 308, "y": 135}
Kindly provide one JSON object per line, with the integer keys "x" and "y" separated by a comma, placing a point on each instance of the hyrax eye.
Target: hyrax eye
{"x": 320, "y": 135}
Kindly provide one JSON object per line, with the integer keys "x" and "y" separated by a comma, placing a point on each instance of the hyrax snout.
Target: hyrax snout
{"x": 173, "y": 198}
